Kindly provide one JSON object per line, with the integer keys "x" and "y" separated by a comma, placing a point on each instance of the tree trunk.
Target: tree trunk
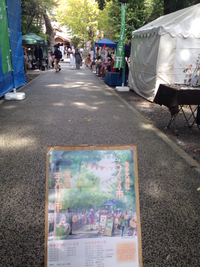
{"x": 167, "y": 8}
{"x": 50, "y": 32}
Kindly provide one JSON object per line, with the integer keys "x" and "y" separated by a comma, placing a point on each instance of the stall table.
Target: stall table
{"x": 175, "y": 97}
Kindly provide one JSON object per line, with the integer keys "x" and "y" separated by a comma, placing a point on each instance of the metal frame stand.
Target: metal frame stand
{"x": 189, "y": 124}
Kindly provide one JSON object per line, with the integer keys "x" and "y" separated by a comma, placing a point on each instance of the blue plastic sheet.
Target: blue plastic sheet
{"x": 16, "y": 78}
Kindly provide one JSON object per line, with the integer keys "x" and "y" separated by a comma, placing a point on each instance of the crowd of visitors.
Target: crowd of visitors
{"x": 91, "y": 220}
{"x": 100, "y": 62}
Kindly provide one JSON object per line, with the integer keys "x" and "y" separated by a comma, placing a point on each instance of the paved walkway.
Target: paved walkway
{"x": 74, "y": 107}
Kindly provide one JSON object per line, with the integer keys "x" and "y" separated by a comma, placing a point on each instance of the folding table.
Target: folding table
{"x": 175, "y": 97}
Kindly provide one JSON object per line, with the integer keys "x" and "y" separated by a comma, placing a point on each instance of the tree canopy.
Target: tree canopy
{"x": 80, "y": 17}
{"x": 84, "y": 18}
{"x": 93, "y": 186}
{"x": 34, "y": 14}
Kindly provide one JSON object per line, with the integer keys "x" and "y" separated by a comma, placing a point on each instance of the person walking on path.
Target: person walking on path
{"x": 87, "y": 61}
{"x": 91, "y": 217}
{"x": 122, "y": 223}
{"x": 78, "y": 59}
{"x": 57, "y": 58}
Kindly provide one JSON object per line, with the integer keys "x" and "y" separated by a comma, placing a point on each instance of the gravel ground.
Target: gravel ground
{"x": 169, "y": 198}
{"x": 159, "y": 116}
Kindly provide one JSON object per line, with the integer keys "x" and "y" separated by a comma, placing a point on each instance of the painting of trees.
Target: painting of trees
{"x": 93, "y": 178}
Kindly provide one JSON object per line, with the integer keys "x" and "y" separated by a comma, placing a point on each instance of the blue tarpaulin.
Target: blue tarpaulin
{"x": 106, "y": 42}
{"x": 15, "y": 78}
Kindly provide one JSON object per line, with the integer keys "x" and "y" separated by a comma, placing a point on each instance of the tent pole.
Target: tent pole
{"x": 123, "y": 77}
{"x": 122, "y": 48}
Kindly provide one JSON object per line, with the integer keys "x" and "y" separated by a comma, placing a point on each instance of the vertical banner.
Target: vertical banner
{"x": 119, "y": 61}
{"x": 92, "y": 207}
{"x": 4, "y": 39}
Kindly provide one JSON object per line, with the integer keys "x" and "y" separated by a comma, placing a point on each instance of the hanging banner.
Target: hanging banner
{"x": 89, "y": 222}
{"x": 4, "y": 39}
{"x": 119, "y": 61}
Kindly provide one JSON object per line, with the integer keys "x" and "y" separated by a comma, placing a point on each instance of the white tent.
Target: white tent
{"x": 161, "y": 49}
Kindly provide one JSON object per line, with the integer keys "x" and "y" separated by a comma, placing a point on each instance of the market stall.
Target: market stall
{"x": 32, "y": 41}
{"x": 104, "y": 61}
{"x": 106, "y": 42}
{"x": 175, "y": 97}
{"x": 161, "y": 49}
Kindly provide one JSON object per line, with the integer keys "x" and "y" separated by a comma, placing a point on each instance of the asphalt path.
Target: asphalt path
{"x": 74, "y": 107}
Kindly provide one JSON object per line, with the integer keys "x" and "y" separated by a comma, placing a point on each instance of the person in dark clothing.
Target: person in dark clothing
{"x": 78, "y": 59}
{"x": 38, "y": 53}
{"x": 57, "y": 58}
{"x": 126, "y": 70}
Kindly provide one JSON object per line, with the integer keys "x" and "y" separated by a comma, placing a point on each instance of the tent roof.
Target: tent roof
{"x": 185, "y": 22}
{"x": 107, "y": 42}
{"x": 32, "y": 38}
{"x": 109, "y": 203}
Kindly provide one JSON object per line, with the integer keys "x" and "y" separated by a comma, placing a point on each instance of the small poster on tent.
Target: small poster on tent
{"x": 92, "y": 207}
{"x": 192, "y": 73}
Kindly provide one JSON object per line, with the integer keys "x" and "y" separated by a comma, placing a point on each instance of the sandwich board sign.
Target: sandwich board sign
{"x": 109, "y": 227}
{"x": 90, "y": 188}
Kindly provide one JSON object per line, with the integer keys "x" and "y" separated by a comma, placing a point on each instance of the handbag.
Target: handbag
{"x": 118, "y": 226}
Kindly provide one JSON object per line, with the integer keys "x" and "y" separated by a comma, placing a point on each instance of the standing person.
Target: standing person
{"x": 38, "y": 53}
{"x": 87, "y": 61}
{"x": 57, "y": 58}
{"x": 91, "y": 217}
{"x": 127, "y": 218}
{"x": 78, "y": 58}
{"x": 25, "y": 60}
{"x": 122, "y": 223}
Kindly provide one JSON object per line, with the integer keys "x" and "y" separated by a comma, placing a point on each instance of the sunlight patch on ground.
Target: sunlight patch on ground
{"x": 181, "y": 143}
{"x": 9, "y": 107}
{"x": 146, "y": 126}
{"x": 74, "y": 85}
{"x": 121, "y": 106}
{"x": 81, "y": 73}
{"x": 53, "y": 85}
{"x": 79, "y": 104}
{"x": 58, "y": 104}
{"x": 108, "y": 94}
{"x": 15, "y": 142}
{"x": 154, "y": 190}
